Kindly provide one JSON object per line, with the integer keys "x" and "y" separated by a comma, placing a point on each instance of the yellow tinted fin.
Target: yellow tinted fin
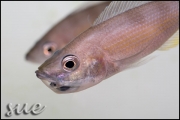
{"x": 171, "y": 43}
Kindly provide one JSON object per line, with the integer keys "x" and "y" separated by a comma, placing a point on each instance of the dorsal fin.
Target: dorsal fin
{"x": 115, "y": 8}
{"x": 86, "y": 5}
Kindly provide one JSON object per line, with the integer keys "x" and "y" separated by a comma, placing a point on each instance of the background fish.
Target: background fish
{"x": 119, "y": 38}
{"x": 65, "y": 31}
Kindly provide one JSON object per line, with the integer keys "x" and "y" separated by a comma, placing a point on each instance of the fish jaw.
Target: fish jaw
{"x": 55, "y": 83}
{"x": 59, "y": 85}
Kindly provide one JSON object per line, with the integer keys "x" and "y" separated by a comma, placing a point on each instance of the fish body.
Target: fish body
{"x": 110, "y": 46}
{"x": 63, "y": 32}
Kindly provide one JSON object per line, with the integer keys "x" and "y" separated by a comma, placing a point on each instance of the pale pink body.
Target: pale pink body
{"x": 64, "y": 32}
{"x": 112, "y": 46}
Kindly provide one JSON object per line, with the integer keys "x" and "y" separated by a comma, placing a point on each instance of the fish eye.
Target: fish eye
{"x": 49, "y": 49}
{"x": 70, "y": 63}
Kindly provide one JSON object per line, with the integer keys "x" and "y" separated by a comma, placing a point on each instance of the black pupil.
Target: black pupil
{"x": 50, "y": 49}
{"x": 69, "y": 64}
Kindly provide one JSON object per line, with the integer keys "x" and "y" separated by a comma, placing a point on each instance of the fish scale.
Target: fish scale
{"x": 113, "y": 47}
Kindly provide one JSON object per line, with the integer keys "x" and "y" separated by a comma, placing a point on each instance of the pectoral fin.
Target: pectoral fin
{"x": 171, "y": 42}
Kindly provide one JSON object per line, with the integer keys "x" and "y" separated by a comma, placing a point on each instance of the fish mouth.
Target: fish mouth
{"x": 40, "y": 75}
{"x": 44, "y": 76}
{"x": 55, "y": 86}
{"x": 51, "y": 83}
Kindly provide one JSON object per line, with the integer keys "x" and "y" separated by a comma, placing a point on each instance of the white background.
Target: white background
{"x": 149, "y": 91}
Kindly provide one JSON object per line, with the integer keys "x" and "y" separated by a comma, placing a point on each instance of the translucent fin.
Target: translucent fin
{"x": 86, "y": 5}
{"x": 171, "y": 43}
{"x": 115, "y": 8}
{"x": 142, "y": 61}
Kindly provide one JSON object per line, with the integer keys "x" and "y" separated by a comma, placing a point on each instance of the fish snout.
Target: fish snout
{"x": 50, "y": 81}
{"x": 27, "y": 57}
{"x": 45, "y": 76}
{"x": 40, "y": 75}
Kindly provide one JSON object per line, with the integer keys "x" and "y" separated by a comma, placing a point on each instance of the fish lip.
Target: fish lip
{"x": 44, "y": 76}
{"x": 40, "y": 75}
{"x": 59, "y": 88}
{"x": 27, "y": 56}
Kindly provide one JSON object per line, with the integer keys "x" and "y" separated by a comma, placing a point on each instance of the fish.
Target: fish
{"x": 120, "y": 38}
{"x": 63, "y": 32}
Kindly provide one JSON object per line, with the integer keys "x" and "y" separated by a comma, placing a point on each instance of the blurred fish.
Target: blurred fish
{"x": 65, "y": 31}
{"x": 120, "y": 38}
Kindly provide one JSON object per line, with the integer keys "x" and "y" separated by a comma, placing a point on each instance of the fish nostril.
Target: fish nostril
{"x": 53, "y": 84}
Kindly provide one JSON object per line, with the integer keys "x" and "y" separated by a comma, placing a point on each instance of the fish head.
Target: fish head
{"x": 69, "y": 71}
{"x": 41, "y": 51}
